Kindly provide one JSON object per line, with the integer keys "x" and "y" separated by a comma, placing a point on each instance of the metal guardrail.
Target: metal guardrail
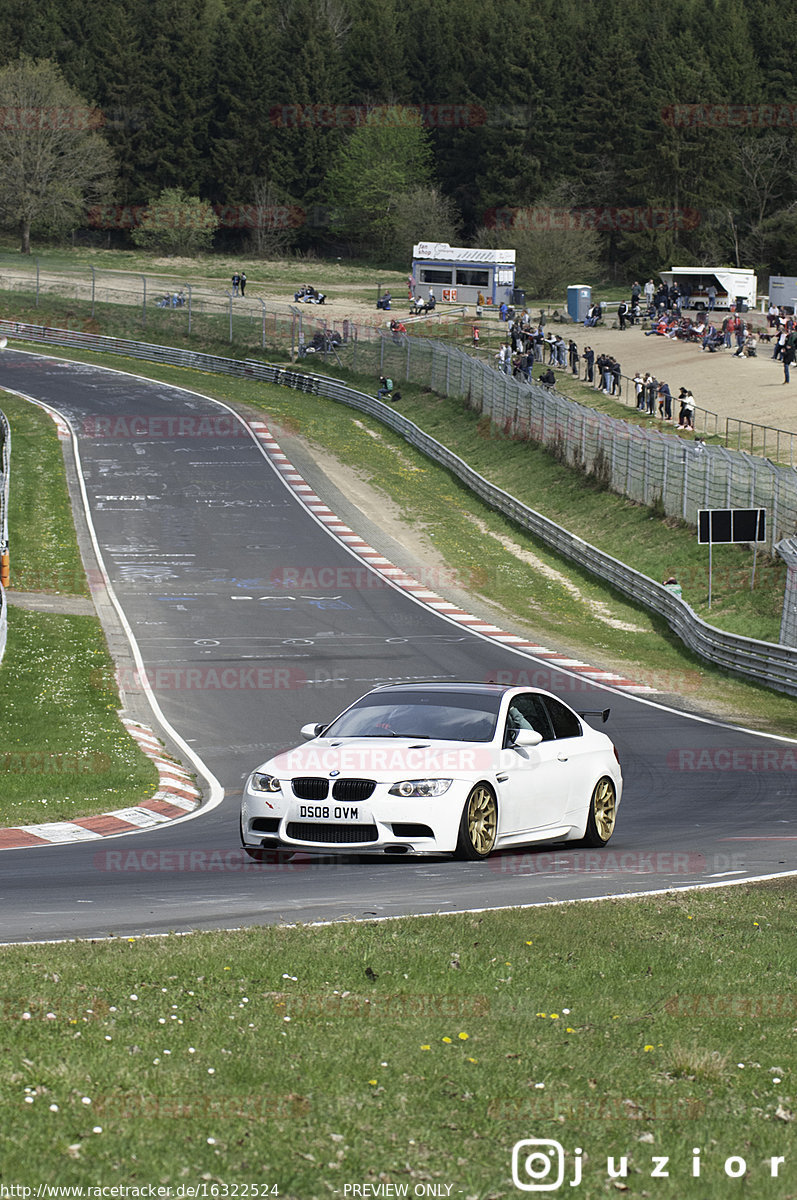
{"x": 765, "y": 662}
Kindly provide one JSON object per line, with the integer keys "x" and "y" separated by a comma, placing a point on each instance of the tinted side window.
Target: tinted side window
{"x": 528, "y": 712}
{"x": 566, "y": 724}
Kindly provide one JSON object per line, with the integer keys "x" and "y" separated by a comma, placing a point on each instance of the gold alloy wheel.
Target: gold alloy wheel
{"x": 481, "y": 820}
{"x": 604, "y": 809}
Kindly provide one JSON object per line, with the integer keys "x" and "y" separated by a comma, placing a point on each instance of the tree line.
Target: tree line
{"x": 655, "y": 134}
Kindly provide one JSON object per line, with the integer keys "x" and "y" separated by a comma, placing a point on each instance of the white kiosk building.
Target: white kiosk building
{"x": 457, "y": 274}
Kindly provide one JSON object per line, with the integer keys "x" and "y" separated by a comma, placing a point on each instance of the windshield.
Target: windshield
{"x": 425, "y": 715}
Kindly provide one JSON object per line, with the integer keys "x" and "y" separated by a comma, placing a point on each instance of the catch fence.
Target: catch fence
{"x": 680, "y": 475}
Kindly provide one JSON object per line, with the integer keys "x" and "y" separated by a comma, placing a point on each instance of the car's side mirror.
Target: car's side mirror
{"x": 527, "y": 737}
{"x": 312, "y": 731}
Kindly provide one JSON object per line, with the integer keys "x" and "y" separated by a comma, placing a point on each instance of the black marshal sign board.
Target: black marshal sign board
{"x": 731, "y": 525}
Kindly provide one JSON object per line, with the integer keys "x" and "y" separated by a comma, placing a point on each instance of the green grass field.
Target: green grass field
{"x": 415, "y": 1052}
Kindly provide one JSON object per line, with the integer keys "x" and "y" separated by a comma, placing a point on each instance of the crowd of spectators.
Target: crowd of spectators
{"x": 527, "y": 344}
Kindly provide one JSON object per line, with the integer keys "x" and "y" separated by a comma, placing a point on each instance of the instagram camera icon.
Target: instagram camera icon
{"x": 534, "y": 1160}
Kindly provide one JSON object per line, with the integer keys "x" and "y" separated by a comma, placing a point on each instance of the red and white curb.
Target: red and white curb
{"x": 304, "y": 493}
{"x": 176, "y": 796}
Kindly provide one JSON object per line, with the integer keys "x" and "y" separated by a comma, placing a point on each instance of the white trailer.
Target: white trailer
{"x": 731, "y": 286}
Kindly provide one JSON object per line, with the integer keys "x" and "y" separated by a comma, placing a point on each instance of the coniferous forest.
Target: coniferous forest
{"x": 670, "y": 129}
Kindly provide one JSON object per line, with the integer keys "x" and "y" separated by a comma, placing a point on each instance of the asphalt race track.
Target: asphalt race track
{"x": 199, "y": 534}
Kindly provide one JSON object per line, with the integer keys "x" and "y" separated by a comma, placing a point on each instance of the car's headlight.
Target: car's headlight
{"x": 420, "y": 787}
{"x": 264, "y": 783}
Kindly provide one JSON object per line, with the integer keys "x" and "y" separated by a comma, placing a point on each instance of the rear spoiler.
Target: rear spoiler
{"x": 603, "y": 713}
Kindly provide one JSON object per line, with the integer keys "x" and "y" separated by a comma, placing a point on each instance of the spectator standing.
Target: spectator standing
{"x": 242, "y": 282}
{"x": 616, "y": 373}
{"x": 589, "y": 364}
{"x": 622, "y": 312}
{"x": 665, "y": 402}
{"x": 686, "y": 415}
{"x": 711, "y": 292}
{"x": 650, "y": 291}
{"x": 651, "y": 391}
{"x": 636, "y": 292}
{"x": 787, "y": 358}
{"x": 639, "y": 388}
{"x": 236, "y": 283}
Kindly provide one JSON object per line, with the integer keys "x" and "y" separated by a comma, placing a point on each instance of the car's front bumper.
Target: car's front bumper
{"x": 383, "y": 824}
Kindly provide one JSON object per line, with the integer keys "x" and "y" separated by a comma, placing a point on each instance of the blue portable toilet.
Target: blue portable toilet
{"x": 579, "y": 302}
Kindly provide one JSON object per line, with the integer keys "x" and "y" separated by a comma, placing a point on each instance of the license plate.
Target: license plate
{"x": 332, "y": 812}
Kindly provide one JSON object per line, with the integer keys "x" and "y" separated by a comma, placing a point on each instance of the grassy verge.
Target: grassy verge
{"x": 44, "y": 551}
{"x": 63, "y": 751}
{"x": 523, "y": 583}
{"x": 413, "y": 1053}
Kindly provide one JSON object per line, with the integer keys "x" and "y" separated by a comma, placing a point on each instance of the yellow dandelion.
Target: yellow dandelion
{"x": 446, "y": 1039}
{"x": 426, "y": 1047}
{"x": 463, "y": 1037}
{"x": 648, "y": 1048}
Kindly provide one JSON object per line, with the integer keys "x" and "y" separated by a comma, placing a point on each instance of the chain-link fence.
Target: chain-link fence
{"x": 677, "y": 475}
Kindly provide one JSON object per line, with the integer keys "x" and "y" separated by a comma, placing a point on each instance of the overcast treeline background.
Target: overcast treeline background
{"x": 559, "y": 105}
